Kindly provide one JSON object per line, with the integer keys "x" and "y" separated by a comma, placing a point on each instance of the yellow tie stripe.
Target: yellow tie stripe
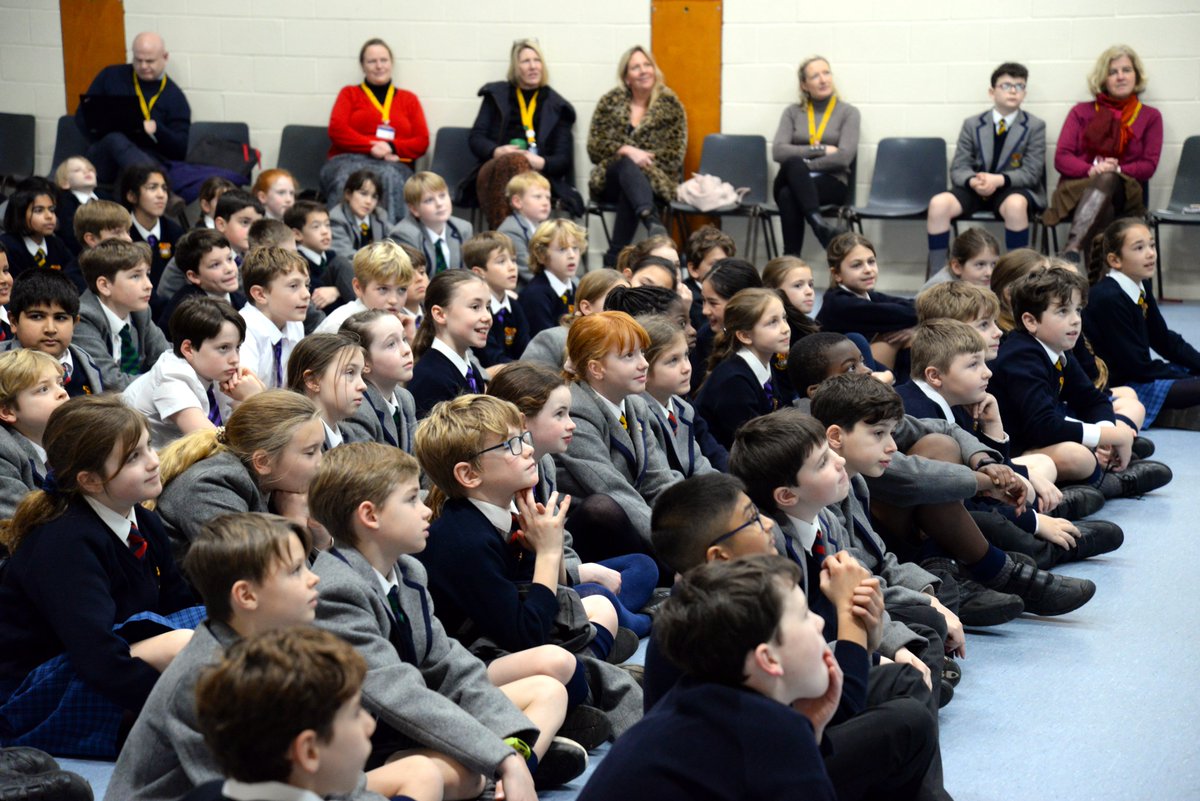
{"x": 1001, "y": 128}
{"x": 624, "y": 423}
{"x": 1142, "y": 304}
{"x": 40, "y": 258}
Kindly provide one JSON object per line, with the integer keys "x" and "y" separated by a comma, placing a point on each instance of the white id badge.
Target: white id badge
{"x": 385, "y": 132}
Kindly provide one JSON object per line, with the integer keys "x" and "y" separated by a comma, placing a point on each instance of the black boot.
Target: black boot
{"x": 55, "y": 785}
{"x": 825, "y": 232}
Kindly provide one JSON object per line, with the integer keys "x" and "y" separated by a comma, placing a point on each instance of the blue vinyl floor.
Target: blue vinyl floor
{"x": 1100, "y": 704}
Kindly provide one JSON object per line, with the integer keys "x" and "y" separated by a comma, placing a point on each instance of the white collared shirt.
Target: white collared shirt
{"x": 333, "y": 321}
{"x": 616, "y": 409}
{"x": 1008, "y": 120}
{"x": 119, "y": 525}
{"x": 388, "y": 581}
{"x": 936, "y": 397}
{"x": 310, "y": 254}
{"x": 115, "y": 324}
{"x": 1130, "y": 287}
{"x": 498, "y": 516}
{"x": 34, "y": 247}
{"x": 257, "y": 351}
{"x": 1091, "y": 431}
{"x": 460, "y": 363}
{"x": 559, "y": 286}
{"x": 332, "y": 435}
{"x": 146, "y": 233}
{"x": 806, "y": 532}
{"x": 439, "y": 241}
{"x": 762, "y": 373}
{"x": 84, "y": 198}
{"x": 265, "y": 791}
{"x": 498, "y": 305}
{"x": 68, "y": 363}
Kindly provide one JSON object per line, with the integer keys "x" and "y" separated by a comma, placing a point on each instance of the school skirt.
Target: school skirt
{"x": 57, "y": 711}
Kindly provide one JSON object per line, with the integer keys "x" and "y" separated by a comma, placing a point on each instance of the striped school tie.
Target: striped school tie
{"x": 137, "y": 543}
{"x": 130, "y": 360}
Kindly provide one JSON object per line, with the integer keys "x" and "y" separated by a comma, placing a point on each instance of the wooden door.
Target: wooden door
{"x": 93, "y": 36}
{"x": 685, "y": 36}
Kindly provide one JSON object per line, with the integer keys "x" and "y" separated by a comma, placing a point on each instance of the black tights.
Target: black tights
{"x": 1183, "y": 394}
{"x": 626, "y": 184}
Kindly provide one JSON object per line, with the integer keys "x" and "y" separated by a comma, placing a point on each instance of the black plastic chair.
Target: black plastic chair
{"x": 908, "y": 172}
{"x": 68, "y": 141}
{"x": 740, "y": 160}
{"x": 302, "y": 152}
{"x": 233, "y": 131}
{"x": 837, "y": 210}
{"x": 16, "y": 146}
{"x": 1185, "y": 195}
{"x": 1036, "y": 226}
{"x": 453, "y": 160}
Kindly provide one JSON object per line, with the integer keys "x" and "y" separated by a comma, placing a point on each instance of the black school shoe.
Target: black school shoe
{"x": 587, "y": 726}
{"x": 1079, "y": 501}
{"x": 1044, "y": 593}
{"x": 1138, "y": 478}
{"x": 564, "y": 760}
{"x": 625, "y": 645}
{"x": 977, "y": 605}
{"x": 55, "y": 785}
{"x": 1143, "y": 448}
{"x": 1095, "y": 537}
{"x": 27, "y": 761}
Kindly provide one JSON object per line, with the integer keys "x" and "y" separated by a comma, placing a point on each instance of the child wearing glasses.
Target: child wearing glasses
{"x": 999, "y": 166}
{"x": 496, "y": 564}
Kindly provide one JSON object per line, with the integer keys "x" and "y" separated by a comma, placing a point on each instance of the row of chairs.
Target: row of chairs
{"x": 908, "y": 172}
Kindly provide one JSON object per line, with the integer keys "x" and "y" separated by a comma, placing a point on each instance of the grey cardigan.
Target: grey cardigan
{"x": 548, "y": 347}
{"x": 604, "y": 458}
{"x": 791, "y": 138}
{"x": 372, "y": 422}
{"x": 446, "y": 702}
{"x": 211, "y": 487}
{"x": 93, "y": 336}
{"x": 165, "y": 755}
{"x": 18, "y": 463}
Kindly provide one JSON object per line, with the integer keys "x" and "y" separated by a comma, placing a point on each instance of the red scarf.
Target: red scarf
{"x": 1111, "y": 128}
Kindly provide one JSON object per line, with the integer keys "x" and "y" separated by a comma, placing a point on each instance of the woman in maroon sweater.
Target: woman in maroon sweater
{"x": 375, "y": 126}
{"x": 1107, "y": 151}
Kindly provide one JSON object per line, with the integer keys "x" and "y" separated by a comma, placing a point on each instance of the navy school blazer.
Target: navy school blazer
{"x": 543, "y": 307}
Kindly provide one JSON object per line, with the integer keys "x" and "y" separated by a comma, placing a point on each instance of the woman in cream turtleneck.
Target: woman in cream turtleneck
{"x": 815, "y": 145}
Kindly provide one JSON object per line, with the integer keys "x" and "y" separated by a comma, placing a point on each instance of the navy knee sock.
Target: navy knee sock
{"x": 577, "y": 687}
{"x": 989, "y": 567}
{"x": 1015, "y": 239}
{"x": 1096, "y": 477}
{"x": 602, "y": 643}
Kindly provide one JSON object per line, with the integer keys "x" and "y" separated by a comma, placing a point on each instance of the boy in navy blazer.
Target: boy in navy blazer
{"x": 740, "y": 699}
{"x": 490, "y": 255}
{"x": 555, "y": 253}
{"x": 999, "y": 166}
{"x": 1047, "y": 402}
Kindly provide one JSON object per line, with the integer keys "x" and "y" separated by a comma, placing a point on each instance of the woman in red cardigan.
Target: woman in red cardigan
{"x": 375, "y": 126}
{"x": 1107, "y": 151}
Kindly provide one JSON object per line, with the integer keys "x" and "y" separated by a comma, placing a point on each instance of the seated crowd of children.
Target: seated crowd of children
{"x": 361, "y": 508}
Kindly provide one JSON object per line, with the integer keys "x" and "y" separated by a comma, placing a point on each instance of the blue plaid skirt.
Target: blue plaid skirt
{"x": 57, "y": 711}
{"x": 1153, "y": 393}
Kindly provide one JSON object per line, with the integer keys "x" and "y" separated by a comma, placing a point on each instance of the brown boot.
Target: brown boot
{"x": 1093, "y": 212}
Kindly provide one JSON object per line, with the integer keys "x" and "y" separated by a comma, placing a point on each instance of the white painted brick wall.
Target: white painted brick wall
{"x": 914, "y": 69}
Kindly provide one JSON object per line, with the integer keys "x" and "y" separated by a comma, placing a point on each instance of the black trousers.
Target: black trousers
{"x": 799, "y": 193}
{"x": 627, "y": 186}
{"x": 113, "y": 153}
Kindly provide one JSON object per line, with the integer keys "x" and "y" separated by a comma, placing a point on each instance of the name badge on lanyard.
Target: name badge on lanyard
{"x": 527, "y": 119}
{"x": 384, "y": 130}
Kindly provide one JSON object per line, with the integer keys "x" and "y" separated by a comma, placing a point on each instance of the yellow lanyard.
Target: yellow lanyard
{"x": 527, "y": 112}
{"x": 815, "y": 133}
{"x": 386, "y": 109}
{"x": 146, "y": 107}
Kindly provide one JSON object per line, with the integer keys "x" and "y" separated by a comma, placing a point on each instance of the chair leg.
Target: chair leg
{"x": 768, "y": 235}
{"x": 751, "y": 236}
